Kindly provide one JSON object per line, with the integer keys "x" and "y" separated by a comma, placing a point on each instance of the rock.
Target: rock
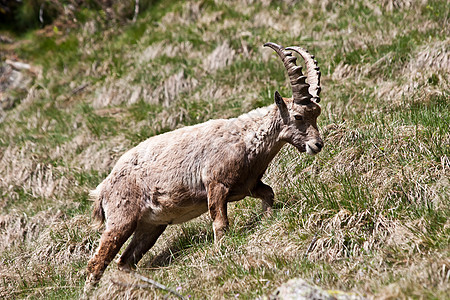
{"x": 5, "y": 39}
{"x": 299, "y": 289}
{"x": 15, "y": 79}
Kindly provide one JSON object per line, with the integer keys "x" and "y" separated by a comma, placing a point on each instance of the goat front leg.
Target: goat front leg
{"x": 217, "y": 205}
{"x": 266, "y": 194}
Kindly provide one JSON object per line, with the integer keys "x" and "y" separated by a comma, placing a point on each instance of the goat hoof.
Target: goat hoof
{"x": 89, "y": 286}
{"x": 125, "y": 268}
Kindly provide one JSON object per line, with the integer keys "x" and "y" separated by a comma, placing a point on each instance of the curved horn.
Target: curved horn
{"x": 312, "y": 71}
{"x": 299, "y": 87}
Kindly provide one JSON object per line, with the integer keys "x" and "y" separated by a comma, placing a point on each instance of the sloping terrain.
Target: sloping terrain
{"x": 369, "y": 214}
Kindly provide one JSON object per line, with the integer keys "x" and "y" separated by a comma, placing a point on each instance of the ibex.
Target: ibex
{"x": 176, "y": 176}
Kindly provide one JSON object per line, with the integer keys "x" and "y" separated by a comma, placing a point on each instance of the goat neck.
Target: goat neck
{"x": 261, "y": 128}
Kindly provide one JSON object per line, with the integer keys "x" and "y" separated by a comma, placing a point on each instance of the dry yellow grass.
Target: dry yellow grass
{"x": 369, "y": 215}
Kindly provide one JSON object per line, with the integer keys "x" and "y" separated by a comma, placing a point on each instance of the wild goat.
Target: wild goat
{"x": 176, "y": 176}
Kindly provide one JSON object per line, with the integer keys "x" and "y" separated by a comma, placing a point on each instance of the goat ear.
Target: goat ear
{"x": 282, "y": 107}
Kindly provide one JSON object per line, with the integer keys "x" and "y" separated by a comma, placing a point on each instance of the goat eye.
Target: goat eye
{"x": 298, "y": 117}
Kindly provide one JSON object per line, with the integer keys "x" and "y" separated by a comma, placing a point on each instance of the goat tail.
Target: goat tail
{"x": 98, "y": 214}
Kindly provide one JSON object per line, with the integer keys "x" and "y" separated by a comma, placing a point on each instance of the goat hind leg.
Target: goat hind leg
{"x": 143, "y": 239}
{"x": 110, "y": 243}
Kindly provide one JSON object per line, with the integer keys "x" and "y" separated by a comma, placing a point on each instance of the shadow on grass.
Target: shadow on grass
{"x": 194, "y": 237}
{"x": 180, "y": 245}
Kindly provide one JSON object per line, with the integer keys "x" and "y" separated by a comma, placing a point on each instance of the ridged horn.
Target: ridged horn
{"x": 300, "y": 89}
{"x": 312, "y": 71}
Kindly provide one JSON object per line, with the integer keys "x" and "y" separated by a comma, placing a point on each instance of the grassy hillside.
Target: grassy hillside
{"x": 369, "y": 214}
